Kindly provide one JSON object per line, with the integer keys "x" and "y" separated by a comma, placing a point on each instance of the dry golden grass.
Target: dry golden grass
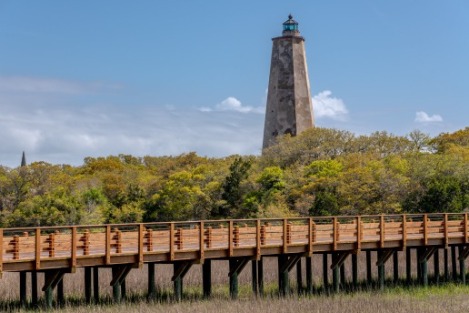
{"x": 449, "y": 298}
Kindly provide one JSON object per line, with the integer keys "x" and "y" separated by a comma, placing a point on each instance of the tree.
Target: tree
{"x": 233, "y": 192}
{"x": 420, "y": 142}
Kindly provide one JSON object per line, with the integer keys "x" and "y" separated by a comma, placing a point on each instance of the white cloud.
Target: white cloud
{"x": 50, "y": 128}
{"x": 28, "y": 84}
{"x": 326, "y": 106}
{"x": 232, "y": 104}
{"x": 422, "y": 117}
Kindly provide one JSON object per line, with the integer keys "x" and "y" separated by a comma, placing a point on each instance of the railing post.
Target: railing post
{"x": 171, "y": 241}
{"x": 465, "y": 228}
{"x": 404, "y": 231}
{"x": 285, "y": 235}
{"x": 201, "y": 241}
{"x": 108, "y": 244}
{"x": 381, "y": 231}
{"x": 335, "y": 233}
{"x": 446, "y": 230}
{"x": 258, "y": 240}
{"x": 230, "y": 238}
{"x": 38, "y": 248}
{"x": 140, "y": 245}
{"x": 359, "y": 233}
{"x": 425, "y": 229}
{"x": 74, "y": 249}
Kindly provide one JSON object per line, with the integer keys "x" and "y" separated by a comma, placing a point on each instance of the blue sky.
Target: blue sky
{"x": 94, "y": 78}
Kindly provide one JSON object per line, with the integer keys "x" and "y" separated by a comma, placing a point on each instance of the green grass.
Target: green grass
{"x": 435, "y": 299}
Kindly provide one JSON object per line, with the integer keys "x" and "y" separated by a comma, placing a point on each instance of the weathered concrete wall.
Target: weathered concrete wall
{"x": 289, "y": 109}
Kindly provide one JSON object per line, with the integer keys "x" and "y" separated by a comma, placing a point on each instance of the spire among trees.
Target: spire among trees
{"x": 23, "y": 160}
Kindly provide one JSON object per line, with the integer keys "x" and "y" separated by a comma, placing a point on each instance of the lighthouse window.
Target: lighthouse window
{"x": 290, "y": 27}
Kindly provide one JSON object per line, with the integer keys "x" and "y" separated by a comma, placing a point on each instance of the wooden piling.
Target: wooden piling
{"x": 446, "y": 264}
{"x": 260, "y": 275}
{"x": 418, "y": 251}
{"x": 408, "y": 265}
{"x": 395, "y": 259}
{"x": 369, "y": 277}
{"x": 88, "y": 284}
{"x": 48, "y": 299}
{"x": 454, "y": 263}
{"x": 299, "y": 277}
{"x": 355, "y": 271}
{"x": 436, "y": 266}
{"x": 34, "y": 295}
{"x": 60, "y": 293}
{"x": 342, "y": 275}
{"x": 96, "y": 284}
{"x": 123, "y": 289}
{"x": 23, "y": 284}
{"x": 335, "y": 274}
{"x": 177, "y": 282}
{"x": 325, "y": 274}
{"x": 283, "y": 281}
{"x": 234, "y": 286}
{"x": 116, "y": 288}
{"x": 207, "y": 278}
{"x": 151, "y": 281}
{"x": 424, "y": 267}
{"x": 309, "y": 275}
{"x": 381, "y": 271}
{"x": 254, "y": 282}
{"x": 462, "y": 266}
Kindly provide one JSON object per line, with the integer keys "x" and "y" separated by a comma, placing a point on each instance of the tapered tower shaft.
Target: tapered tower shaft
{"x": 289, "y": 108}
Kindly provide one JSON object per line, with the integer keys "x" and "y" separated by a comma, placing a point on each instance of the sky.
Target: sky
{"x": 98, "y": 78}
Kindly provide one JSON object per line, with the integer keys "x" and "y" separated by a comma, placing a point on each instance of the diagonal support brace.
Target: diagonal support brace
{"x": 340, "y": 259}
{"x": 239, "y": 266}
{"x": 182, "y": 270}
{"x": 464, "y": 254}
{"x": 427, "y": 254}
{"x": 53, "y": 279}
{"x": 120, "y": 274}
{"x": 288, "y": 265}
{"x": 384, "y": 257}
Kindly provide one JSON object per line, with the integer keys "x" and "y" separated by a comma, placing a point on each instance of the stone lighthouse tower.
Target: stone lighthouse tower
{"x": 289, "y": 108}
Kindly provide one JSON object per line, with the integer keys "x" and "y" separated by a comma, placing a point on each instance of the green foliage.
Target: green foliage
{"x": 446, "y": 140}
{"x": 233, "y": 191}
{"x": 271, "y": 178}
{"x": 439, "y": 194}
{"x": 324, "y": 168}
{"x": 320, "y": 172}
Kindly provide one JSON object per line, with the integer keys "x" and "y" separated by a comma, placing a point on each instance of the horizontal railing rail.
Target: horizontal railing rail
{"x": 72, "y": 243}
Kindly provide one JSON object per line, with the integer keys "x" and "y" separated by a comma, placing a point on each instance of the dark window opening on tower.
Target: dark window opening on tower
{"x": 290, "y": 27}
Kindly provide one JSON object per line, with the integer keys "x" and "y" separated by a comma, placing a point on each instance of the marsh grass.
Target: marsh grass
{"x": 446, "y": 298}
{"x": 396, "y": 298}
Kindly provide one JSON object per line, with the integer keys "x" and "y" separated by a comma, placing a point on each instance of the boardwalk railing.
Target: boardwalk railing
{"x": 72, "y": 246}
{"x": 56, "y": 251}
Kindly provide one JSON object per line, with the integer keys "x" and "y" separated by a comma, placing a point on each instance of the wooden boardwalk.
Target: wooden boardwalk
{"x": 56, "y": 251}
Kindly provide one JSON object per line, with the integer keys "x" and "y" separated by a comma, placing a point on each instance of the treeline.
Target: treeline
{"x": 321, "y": 172}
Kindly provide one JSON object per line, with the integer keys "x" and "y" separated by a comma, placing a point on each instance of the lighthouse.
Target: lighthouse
{"x": 289, "y": 107}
